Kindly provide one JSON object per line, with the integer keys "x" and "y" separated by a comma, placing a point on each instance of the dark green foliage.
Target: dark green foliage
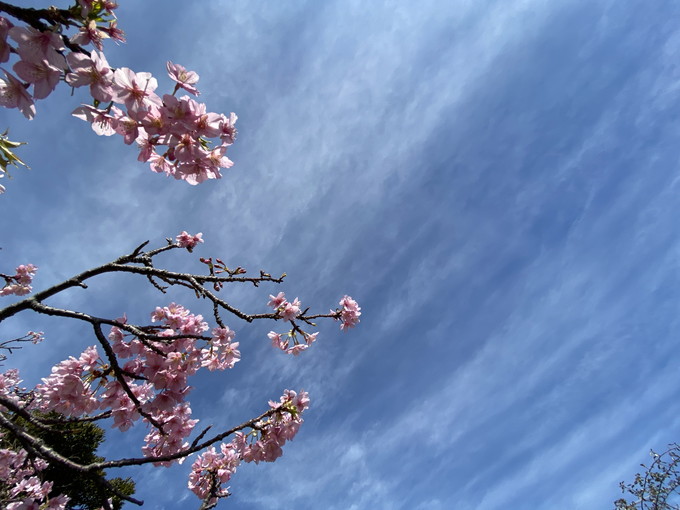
{"x": 78, "y": 442}
{"x": 658, "y": 487}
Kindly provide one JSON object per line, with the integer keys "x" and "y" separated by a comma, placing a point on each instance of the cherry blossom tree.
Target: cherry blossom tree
{"x": 135, "y": 374}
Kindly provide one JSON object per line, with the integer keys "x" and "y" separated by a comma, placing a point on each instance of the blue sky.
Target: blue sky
{"x": 496, "y": 183}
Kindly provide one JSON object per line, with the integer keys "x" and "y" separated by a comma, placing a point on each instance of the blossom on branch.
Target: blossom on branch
{"x": 263, "y": 444}
{"x": 186, "y": 240}
{"x": 35, "y": 46}
{"x": 13, "y": 94}
{"x": 90, "y": 34}
{"x": 42, "y": 75}
{"x": 92, "y": 70}
{"x": 349, "y": 314}
{"x": 178, "y": 136}
{"x": 20, "y": 283}
{"x": 184, "y": 79}
{"x": 102, "y": 123}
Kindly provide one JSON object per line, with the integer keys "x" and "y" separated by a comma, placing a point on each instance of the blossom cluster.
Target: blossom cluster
{"x": 349, "y": 313}
{"x": 154, "y": 387}
{"x": 283, "y": 341}
{"x": 80, "y": 386}
{"x": 157, "y": 377}
{"x": 65, "y": 391}
{"x": 289, "y": 311}
{"x": 286, "y": 310}
{"x": 177, "y": 136}
{"x": 288, "y": 342}
{"x": 212, "y": 469}
{"x": 180, "y": 126}
{"x": 9, "y": 385}
{"x": 155, "y": 374}
{"x": 20, "y": 283}
{"x": 26, "y": 490}
{"x": 42, "y": 63}
{"x": 35, "y": 336}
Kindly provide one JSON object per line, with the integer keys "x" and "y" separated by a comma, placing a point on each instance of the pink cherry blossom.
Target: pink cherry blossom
{"x": 223, "y": 335}
{"x": 102, "y": 122}
{"x": 178, "y": 112}
{"x": 276, "y": 301}
{"x": 42, "y": 75}
{"x": 186, "y": 240}
{"x": 91, "y": 70}
{"x": 114, "y": 32}
{"x": 9, "y": 385}
{"x": 155, "y": 122}
{"x": 289, "y": 311}
{"x": 297, "y": 349}
{"x": 186, "y": 150}
{"x": 218, "y": 159}
{"x": 350, "y": 312}
{"x": 228, "y": 129}
{"x": 221, "y": 356}
{"x": 35, "y": 46}
{"x": 20, "y": 478}
{"x": 161, "y": 165}
{"x": 197, "y": 171}
{"x": 265, "y": 445}
{"x": 206, "y": 124}
{"x": 25, "y": 273}
{"x": 310, "y": 338}
{"x": 15, "y": 289}
{"x": 19, "y": 284}
{"x": 277, "y": 341}
{"x": 146, "y": 145}
{"x": 90, "y": 34}
{"x": 177, "y": 426}
{"x": 13, "y": 95}
{"x": 36, "y": 336}
{"x": 213, "y": 466}
{"x": 64, "y": 391}
{"x": 125, "y": 126}
{"x": 135, "y": 90}
{"x": 184, "y": 79}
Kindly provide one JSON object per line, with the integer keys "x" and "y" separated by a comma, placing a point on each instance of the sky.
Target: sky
{"x": 495, "y": 182}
